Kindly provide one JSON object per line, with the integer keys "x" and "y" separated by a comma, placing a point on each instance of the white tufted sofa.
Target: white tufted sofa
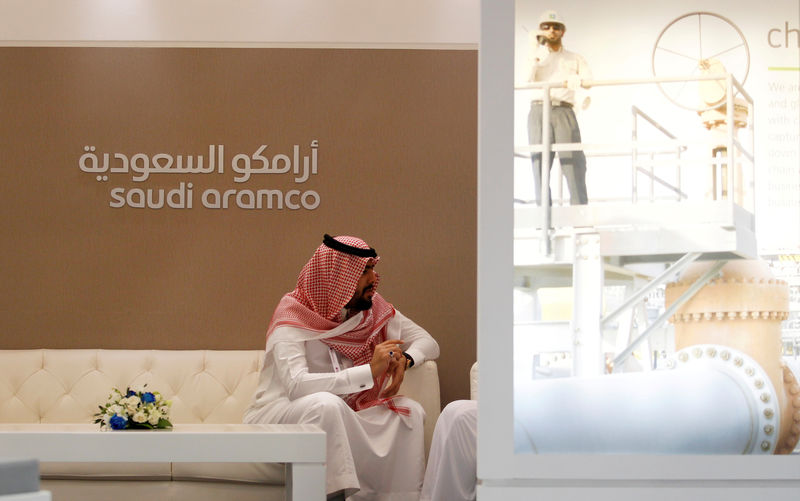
{"x": 66, "y": 386}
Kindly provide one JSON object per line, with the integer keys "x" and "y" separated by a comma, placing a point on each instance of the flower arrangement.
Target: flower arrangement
{"x": 134, "y": 409}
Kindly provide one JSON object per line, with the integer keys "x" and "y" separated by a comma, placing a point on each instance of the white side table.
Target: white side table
{"x": 301, "y": 447}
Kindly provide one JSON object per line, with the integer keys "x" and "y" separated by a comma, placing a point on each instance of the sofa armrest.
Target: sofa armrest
{"x": 473, "y": 382}
{"x": 421, "y": 383}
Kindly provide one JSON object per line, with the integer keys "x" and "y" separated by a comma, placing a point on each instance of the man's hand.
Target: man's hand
{"x": 381, "y": 359}
{"x": 397, "y": 369}
{"x": 541, "y": 37}
{"x": 574, "y": 82}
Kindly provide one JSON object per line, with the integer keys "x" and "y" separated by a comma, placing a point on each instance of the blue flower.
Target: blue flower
{"x": 148, "y": 398}
{"x": 118, "y": 422}
{"x": 130, "y": 393}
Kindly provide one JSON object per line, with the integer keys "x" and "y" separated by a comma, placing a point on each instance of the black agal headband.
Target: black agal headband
{"x": 334, "y": 244}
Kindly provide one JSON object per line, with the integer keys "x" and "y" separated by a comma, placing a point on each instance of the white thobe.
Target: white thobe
{"x": 373, "y": 454}
{"x": 452, "y": 463}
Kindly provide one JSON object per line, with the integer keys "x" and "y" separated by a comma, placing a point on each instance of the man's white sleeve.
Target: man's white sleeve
{"x": 291, "y": 367}
{"x": 417, "y": 342}
{"x": 537, "y": 53}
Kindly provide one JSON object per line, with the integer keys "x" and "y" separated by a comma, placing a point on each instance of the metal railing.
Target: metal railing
{"x": 640, "y": 150}
{"x": 636, "y": 166}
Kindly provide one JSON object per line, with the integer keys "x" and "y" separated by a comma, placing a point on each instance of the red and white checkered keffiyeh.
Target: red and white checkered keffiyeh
{"x": 325, "y": 285}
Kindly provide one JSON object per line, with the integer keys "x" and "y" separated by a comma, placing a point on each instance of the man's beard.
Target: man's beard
{"x": 360, "y": 304}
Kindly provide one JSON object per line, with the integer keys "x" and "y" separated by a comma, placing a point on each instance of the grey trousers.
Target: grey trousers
{"x": 563, "y": 129}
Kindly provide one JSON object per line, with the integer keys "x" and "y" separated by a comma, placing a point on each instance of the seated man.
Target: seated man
{"x": 336, "y": 354}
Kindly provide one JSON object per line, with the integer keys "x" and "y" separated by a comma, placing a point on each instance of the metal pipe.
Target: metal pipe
{"x": 731, "y": 144}
{"x": 663, "y": 183}
{"x": 741, "y": 90}
{"x": 703, "y": 406}
{"x": 691, "y": 291}
{"x": 638, "y": 111}
{"x": 666, "y": 146}
{"x": 652, "y": 173}
{"x": 678, "y": 152}
{"x": 559, "y": 184}
{"x": 717, "y": 164}
{"x": 634, "y": 156}
{"x": 587, "y": 287}
{"x": 741, "y": 150}
{"x": 544, "y": 167}
{"x": 753, "y": 191}
{"x": 630, "y": 81}
{"x": 676, "y": 267}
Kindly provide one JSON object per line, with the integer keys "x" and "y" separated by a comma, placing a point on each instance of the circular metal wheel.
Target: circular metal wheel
{"x": 695, "y": 44}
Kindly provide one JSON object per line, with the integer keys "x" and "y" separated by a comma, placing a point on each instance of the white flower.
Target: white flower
{"x": 139, "y": 416}
{"x": 154, "y": 418}
{"x": 133, "y": 405}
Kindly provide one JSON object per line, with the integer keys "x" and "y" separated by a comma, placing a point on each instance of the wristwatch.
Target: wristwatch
{"x": 410, "y": 360}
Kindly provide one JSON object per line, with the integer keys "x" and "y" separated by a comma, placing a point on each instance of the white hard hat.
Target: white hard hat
{"x": 551, "y": 16}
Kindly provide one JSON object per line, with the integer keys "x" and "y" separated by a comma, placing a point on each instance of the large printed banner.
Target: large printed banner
{"x": 627, "y": 45}
{"x": 168, "y": 197}
{"x": 622, "y": 40}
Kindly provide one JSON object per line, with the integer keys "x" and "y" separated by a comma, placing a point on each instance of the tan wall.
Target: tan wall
{"x": 397, "y": 133}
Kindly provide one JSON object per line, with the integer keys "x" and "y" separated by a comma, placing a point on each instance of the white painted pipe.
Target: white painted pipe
{"x": 715, "y": 401}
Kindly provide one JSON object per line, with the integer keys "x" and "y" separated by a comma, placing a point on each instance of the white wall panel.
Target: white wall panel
{"x": 373, "y": 23}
